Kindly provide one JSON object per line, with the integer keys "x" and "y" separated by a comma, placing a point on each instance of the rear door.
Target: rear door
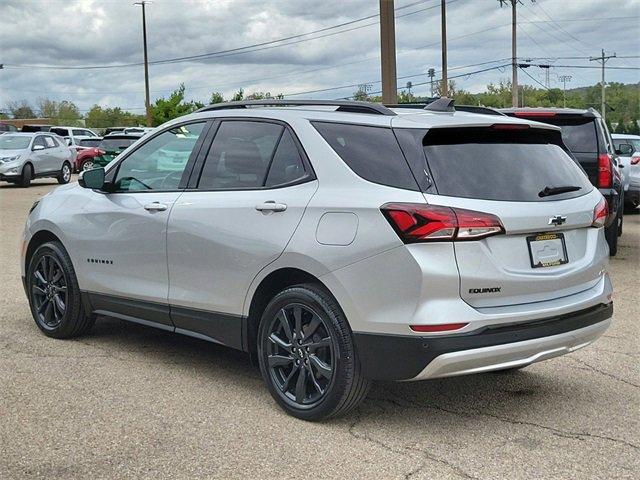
{"x": 247, "y": 199}
{"x": 40, "y": 157}
{"x": 549, "y": 249}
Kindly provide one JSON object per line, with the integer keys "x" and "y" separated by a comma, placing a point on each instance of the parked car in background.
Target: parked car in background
{"x": 87, "y": 151}
{"x": 7, "y": 127}
{"x": 25, "y": 156}
{"x": 138, "y": 130}
{"x": 73, "y": 135}
{"x": 628, "y": 147}
{"x": 111, "y": 146}
{"x": 588, "y": 138}
{"x": 110, "y": 130}
{"x": 338, "y": 243}
{"x": 35, "y": 128}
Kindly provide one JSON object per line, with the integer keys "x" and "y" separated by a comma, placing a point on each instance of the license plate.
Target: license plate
{"x": 547, "y": 250}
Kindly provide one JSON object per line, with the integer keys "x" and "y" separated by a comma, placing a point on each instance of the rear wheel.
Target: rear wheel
{"x": 307, "y": 356}
{"x": 86, "y": 165}
{"x": 65, "y": 173}
{"x": 611, "y": 234}
{"x": 27, "y": 174}
{"x": 54, "y": 295}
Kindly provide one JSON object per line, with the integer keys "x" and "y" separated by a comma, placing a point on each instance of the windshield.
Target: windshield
{"x": 112, "y": 144}
{"x": 516, "y": 166}
{"x": 14, "y": 142}
{"x": 635, "y": 142}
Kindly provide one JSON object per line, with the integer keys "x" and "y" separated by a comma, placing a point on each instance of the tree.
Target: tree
{"x": 47, "y": 108}
{"x": 175, "y": 106}
{"x": 68, "y": 113}
{"x": 216, "y": 97}
{"x": 621, "y": 127}
{"x": 634, "y": 127}
{"x": 20, "y": 109}
{"x": 98, "y": 117}
{"x": 239, "y": 95}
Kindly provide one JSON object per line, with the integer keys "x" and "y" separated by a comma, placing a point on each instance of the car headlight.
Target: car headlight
{"x": 9, "y": 159}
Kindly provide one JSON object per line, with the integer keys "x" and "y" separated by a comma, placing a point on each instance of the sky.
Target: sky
{"x": 37, "y": 37}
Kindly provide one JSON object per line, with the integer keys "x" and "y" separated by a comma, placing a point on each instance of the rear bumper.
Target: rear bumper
{"x": 398, "y": 357}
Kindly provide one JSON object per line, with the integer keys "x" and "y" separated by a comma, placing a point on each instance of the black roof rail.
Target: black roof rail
{"x": 343, "y": 105}
{"x": 442, "y": 104}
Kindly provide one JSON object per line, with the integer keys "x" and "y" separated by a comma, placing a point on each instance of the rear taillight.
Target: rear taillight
{"x": 443, "y": 327}
{"x": 535, "y": 114}
{"x": 418, "y": 222}
{"x": 600, "y": 213}
{"x": 635, "y": 160}
{"x": 100, "y": 152}
{"x": 605, "y": 171}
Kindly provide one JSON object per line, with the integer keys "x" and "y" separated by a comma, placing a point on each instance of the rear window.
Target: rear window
{"x": 93, "y": 142}
{"x": 63, "y": 132}
{"x": 502, "y": 165}
{"x": 116, "y": 143}
{"x": 579, "y": 135}
{"x": 371, "y": 152}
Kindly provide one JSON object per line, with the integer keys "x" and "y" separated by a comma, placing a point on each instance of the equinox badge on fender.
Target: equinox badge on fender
{"x": 485, "y": 290}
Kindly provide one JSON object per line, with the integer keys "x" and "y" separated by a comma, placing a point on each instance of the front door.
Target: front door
{"x": 250, "y": 196}
{"x": 124, "y": 232}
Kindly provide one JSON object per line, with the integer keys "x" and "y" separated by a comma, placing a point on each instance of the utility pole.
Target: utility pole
{"x": 147, "y": 102}
{"x": 443, "y": 29}
{"x": 388, "y": 52}
{"x": 514, "y": 51}
{"x": 603, "y": 60}
{"x": 564, "y": 79}
{"x": 431, "y": 73}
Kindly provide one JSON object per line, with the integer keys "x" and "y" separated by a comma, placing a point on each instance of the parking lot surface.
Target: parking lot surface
{"x": 133, "y": 402}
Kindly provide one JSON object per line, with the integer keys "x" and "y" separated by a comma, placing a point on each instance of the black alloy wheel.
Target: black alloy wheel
{"x": 49, "y": 292}
{"x": 300, "y": 355}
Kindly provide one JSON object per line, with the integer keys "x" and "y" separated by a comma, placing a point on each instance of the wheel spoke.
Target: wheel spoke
{"x": 59, "y": 303}
{"x": 324, "y": 342}
{"x": 43, "y": 305}
{"x": 39, "y": 277}
{"x": 48, "y": 312}
{"x": 297, "y": 316}
{"x": 315, "y": 382}
{"x": 57, "y": 276}
{"x": 284, "y": 321}
{"x": 323, "y": 368}
{"x": 37, "y": 291}
{"x": 279, "y": 360}
{"x": 279, "y": 342}
{"x": 287, "y": 381}
{"x": 301, "y": 385}
{"x": 51, "y": 270}
{"x": 312, "y": 326}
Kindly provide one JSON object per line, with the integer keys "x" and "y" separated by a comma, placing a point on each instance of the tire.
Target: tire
{"x": 324, "y": 344}
{"x": 65, "y": 174}
{"x": 54, "y": 294}
{"x": 611, "y": 234}
{"x": 86, "y": 165}
{"x": 27, "y": 174}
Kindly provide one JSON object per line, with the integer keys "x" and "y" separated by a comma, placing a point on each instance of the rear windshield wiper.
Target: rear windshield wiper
{"x": 548, "y": 191}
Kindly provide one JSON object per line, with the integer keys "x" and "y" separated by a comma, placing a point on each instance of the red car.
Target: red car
{"x": 87, "y": 151}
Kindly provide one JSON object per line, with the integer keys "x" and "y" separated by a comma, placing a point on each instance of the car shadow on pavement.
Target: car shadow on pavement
{"x": 503, "y": 393}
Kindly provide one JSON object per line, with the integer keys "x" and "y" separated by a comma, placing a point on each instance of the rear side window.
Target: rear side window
{"x": 286, "y": 166}
{"x": 491, "y": 164}
{"x": 240, "y": 155}
{"x": 371, "y": 152}
{"x": 579, "y": 135}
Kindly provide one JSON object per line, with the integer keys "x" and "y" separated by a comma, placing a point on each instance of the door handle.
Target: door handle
{"x": 271, "y": 206}
{"x": 155, "y": 207}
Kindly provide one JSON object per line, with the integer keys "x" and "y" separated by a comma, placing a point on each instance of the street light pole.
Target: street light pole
{"x": 388, "y": 52}
{"x": 443, "y": 30}
{"x": 147, "y": 102}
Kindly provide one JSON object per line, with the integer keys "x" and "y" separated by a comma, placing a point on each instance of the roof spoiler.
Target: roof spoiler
{"x": 343, "y": 105}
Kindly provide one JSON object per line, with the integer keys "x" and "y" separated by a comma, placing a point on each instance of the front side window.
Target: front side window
{"x": 39, "y": 142}
{"x": 159, "y": 163}
{"x": 240, "y": 155}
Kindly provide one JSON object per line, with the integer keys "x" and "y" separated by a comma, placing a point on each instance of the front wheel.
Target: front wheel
{"x": 307, "y": 356}
{"x": 27, "y": 174}
{"x": 54, "y": 294}
{"x": 65, "y": 173}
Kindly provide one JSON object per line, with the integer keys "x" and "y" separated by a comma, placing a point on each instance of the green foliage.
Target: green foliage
{"x": 216, "y": 97}
{"x": 175, "y": 106}
{"x": 99, "y": 117}
{"x": 21, "y": 109}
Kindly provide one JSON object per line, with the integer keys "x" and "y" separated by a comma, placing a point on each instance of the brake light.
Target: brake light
{"x": 635, "y": 160}
{"x": 100, "y": 152}
{"x": 509, "y": 126}
{"x": 535, "y": 114}
{"x": 418, "y": 222}
{"x": 445, "y": 327}
{"x": 600, "y": 213}
{"x": 605, "y": 171}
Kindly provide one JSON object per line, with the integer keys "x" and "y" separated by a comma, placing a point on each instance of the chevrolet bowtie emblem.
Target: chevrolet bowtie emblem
{"x": 557, "y": 220}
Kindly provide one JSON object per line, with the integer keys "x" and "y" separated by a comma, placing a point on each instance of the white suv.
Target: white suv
{"x": 336, "y": 242}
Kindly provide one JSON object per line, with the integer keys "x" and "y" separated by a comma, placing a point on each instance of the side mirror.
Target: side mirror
{"x": 93, "y": 179}
{"x": 37, "y": 147}
{"x": 625, "y": 149}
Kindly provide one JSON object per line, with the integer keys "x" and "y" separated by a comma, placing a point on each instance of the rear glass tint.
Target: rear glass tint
{"x": 579, "y": 135}
{"x": 111, "y": 144}
{"x": 490, "y": 164}
{"x": 371, "y": 152}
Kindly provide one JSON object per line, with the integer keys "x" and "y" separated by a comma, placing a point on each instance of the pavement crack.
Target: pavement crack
{"x": 602, "y": 372}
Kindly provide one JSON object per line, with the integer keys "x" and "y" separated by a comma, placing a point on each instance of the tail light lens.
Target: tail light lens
{"x": 635, "y": 160}
{"x": 100, "y": 152}
{"x": 444, "y": 327}
{"x": 418, "y": 222}
{"x": 605, "y": 171}
{"x": 600, "y": 213}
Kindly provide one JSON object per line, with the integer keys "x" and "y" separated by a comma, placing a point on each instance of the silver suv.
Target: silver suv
{"x": 25, "y": 156}
{"x": 335, "y": 242}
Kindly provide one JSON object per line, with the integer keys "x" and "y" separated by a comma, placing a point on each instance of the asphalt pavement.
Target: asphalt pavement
{"x": 133, "y": 402}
